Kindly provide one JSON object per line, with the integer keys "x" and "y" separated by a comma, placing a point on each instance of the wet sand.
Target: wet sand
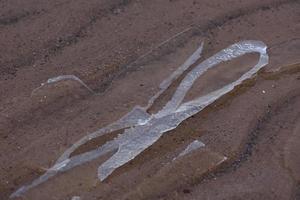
{"x": 112, "y": 47}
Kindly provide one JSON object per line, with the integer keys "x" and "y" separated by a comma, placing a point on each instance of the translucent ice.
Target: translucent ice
{"x": 141, "y": 129}
{"x": 63, "y": 78}
{"x": 196, "y": 144}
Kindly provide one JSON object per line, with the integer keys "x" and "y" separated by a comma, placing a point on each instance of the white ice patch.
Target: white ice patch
{"x": 143, "y": 129}
{"x": 63, "y": 78}
{"x": 196, "y": 144}
{"x": 76, "y": 198}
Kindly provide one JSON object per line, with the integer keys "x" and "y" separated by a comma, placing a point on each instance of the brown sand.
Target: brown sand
{"x": 102, "y": 43}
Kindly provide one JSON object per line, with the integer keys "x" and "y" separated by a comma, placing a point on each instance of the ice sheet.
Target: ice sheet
{"x": 141, "y": 129}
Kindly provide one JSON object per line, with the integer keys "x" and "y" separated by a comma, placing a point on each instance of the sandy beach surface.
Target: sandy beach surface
{"x": 123, "y": 50}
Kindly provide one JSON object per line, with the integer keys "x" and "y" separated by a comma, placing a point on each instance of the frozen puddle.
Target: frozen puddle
{"x": 143, "y": 129}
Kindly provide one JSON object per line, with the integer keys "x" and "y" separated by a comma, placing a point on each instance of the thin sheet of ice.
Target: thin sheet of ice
{"x": 143, "y": 129}
{"x": 63, "y": 78}
{"x": 196, "y": 144}
{"x": 168, "y": 81}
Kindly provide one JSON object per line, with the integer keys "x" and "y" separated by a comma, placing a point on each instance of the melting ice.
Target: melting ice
{"x": 143, "y": 129}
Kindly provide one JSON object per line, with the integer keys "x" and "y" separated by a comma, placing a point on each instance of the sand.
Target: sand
{"x": 123, "y": 50}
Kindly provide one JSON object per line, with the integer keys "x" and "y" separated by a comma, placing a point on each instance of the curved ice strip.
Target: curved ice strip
{"x": 137, "y": 139}
{"x": 138, "y": 115}
{"x": 227, "y": 54}
{"x": 66, "y": 165}
{"x": 196, "y": 144}
{"x": 135, "y": 117}
{"x": 167, "y": 82}
{"x": 143, "y": 129}
{"x": 62, "y": 78}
